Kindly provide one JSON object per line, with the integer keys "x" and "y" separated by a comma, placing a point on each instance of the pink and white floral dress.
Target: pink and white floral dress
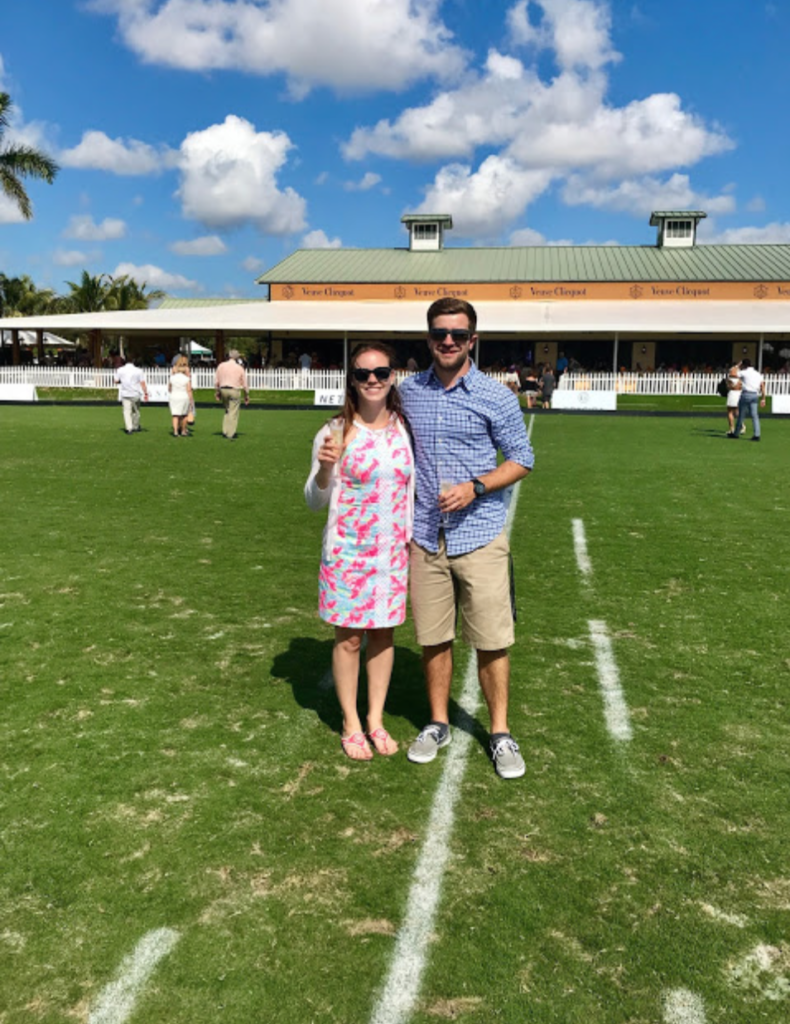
{"x": 363, "y": 578}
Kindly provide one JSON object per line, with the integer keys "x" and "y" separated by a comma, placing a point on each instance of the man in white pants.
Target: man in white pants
{"x": 132, "y": 390}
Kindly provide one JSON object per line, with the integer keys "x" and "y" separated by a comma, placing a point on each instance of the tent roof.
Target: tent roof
{"x": 327, "y": 319}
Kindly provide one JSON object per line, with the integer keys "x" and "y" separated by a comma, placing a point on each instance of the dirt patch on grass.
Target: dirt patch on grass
{"x": 774, "y": 893}
{"x": 369, "y": 926}
{"x": 453, "y": 1009}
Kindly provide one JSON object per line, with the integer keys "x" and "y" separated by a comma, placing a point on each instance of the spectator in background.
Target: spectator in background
{"x": 547, "y": 384}
{"x": 229, "y": 382}
{"x": 562, "y": 364}
{"x": 733, "y": 398}
{"x": 511, "y": 379}
{"x": 530, "y": 386}
{"x": 180, "y": 391}
{"x": 133, "y": 390}
{"x": 752, "y": 395}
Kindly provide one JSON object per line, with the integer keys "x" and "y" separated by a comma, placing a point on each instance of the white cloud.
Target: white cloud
{"x": 9, "y": 211}
{"x": 528, "y": 236}
{"x": 253, "y": 265}
{"x": 155, "y": 277}
{"x": 771, "y": 234}
{"x": 207, "y": 245}
{"x": 483, "y": 203}
{"x": 318, "y": 240}
{"x": 130, "y": 157}
{"x": 756, "y": 205}
{"x": 348, "y": 45}
{"x": 576, "y": 30}
{"x": 83, "y": 227}
{"x": 640, "y": 196}
{"x": 229, "y": 178}
{"x": 73, "y": 258}
{"x": 368, "y": 181}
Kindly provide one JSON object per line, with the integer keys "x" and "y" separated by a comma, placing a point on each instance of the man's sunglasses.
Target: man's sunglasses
{"x": 381, "y": 373}
{"x": 458, "y": 334}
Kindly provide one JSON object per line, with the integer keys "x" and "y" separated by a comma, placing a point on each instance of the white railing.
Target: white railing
{"x": 333, "y": 380}
{"x": 661, "y": 383}
{"x": 202, "y": 377}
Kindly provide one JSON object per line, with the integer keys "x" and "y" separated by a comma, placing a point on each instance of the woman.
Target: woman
{"x": 530, "y": 386}
{"x": 363, "y": 469}
{"x": 180, "y": 391}
{"x": 733, "y": 398}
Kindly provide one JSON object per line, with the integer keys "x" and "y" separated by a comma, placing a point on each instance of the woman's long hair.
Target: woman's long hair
{"x": 351, "y": 403}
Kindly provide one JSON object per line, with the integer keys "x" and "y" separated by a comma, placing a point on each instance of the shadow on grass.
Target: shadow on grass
{"x": 306, "y": 667}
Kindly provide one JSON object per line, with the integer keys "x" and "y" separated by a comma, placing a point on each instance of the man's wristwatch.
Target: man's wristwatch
{"x": 479, "y": 486}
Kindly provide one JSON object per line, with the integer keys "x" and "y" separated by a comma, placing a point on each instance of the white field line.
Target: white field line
{"x": 618, "y": 721}
{"x": 116, "y": 1002}
{"x": 402, "y": 985}
{"x": 580, "y": 547}
{"x": 683, "y": 1007}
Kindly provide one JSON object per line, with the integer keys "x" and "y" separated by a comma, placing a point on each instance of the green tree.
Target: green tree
{"x": 90, "y": 295}
{"x": 19, "y": 296}
{"x": 126, "y": 293}
{"x": 17, "y": 162}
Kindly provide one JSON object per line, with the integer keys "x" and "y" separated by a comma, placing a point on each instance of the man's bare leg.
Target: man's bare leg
{"x": 437, "y": 663}
{"x": 493, "y": 670}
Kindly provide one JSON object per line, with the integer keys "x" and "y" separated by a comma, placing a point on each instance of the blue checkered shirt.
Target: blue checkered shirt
{"x": 457, "y": 433}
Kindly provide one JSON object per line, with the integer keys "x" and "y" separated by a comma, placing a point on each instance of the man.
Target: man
{"x": 460, "y": 419}
{"x": 752, "y": 392}
{"x": 133, "y": 389}
{"x": 229, "y": 382}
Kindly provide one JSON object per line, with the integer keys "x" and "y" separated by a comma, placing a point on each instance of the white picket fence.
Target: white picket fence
{"x": 333, "y": 380}
{"x": 661, "y": 383}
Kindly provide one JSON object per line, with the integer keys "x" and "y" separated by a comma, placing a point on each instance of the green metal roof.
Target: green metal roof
{"x": 171, "y": 303}
{"x": 573, "y": 263}
{"x": 658, "y": 215}
{"x": 427, "y": 218}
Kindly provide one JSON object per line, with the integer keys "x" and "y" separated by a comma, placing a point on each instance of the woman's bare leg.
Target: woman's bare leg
{"x": 379, "y": 661}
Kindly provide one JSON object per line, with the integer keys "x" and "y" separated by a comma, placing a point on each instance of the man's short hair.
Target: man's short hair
{"x": 745, "y": 364}
{"x": 451, "y": 306}
{"x": 233, "y": 354}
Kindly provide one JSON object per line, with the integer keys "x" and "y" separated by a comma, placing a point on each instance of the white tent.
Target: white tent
{"x": 28, "y": 340}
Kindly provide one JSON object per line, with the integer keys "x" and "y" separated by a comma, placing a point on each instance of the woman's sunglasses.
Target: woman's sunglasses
{"x": 381, "y": 373}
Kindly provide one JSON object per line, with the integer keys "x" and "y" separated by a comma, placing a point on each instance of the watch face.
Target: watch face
{"x": 480, "y": 488}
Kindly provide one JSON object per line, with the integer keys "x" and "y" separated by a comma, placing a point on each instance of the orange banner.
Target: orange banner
{"x": 687, "y": 291}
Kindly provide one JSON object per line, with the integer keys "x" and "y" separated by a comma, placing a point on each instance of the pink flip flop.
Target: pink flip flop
{"x": 380, "y": 739}
{"x": 356, "y": 741}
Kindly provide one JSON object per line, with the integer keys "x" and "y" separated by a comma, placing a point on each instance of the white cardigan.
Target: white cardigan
{"x": 318, "y": 499}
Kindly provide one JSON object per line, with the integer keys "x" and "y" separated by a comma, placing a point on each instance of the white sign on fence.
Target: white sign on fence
{"x": 335, "y": 398}
{"x": 18, "y": 393}
{"x": 599, "y": 401}
{"x": 781, "y": 404}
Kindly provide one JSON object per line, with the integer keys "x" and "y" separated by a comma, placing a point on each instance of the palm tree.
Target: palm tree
{"x": 91, "y": 295}
{"x": 19, "y": 296}
{"x": 20, "y": 162}
{"x": 126, "y": 293}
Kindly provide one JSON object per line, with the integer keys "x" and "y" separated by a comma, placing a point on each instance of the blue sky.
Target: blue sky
{"x": 201, "y": 141}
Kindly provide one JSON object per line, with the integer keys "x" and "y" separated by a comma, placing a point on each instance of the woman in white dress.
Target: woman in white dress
{"x": 180, "y": 390}
{"x": 733, "y": 397}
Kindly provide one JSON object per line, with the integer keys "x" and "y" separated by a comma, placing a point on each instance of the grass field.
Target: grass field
{"x": 170, "y": 757}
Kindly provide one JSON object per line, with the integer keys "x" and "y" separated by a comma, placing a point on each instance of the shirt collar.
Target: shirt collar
{"x": 466, "y": 381}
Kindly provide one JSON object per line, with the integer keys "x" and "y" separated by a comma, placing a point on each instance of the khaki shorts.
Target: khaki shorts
{"x": 477, "y": 583}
